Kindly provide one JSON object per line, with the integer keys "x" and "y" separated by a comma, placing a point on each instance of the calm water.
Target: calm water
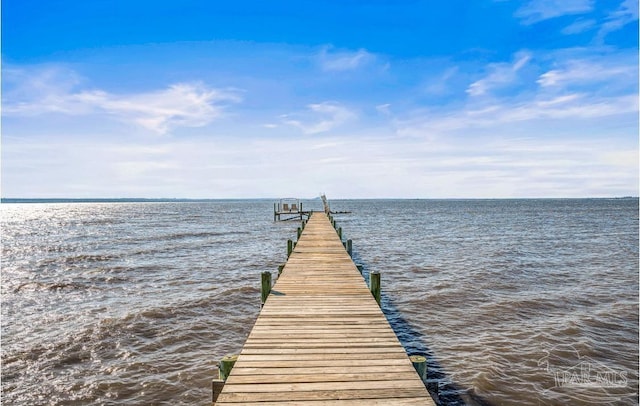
{"x": 529, "y": 302}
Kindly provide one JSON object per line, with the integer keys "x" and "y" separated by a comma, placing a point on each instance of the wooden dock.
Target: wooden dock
{"x": 321, "y": 338}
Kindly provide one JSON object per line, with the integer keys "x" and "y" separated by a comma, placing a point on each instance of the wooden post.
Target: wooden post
{"x": 420, "y": 364}
{"x": 226, "y": 363}
{"x": 299, "y": 232}
{"x": 280, "y": 268}
{"x": 360, "y": 268}
{"x": 289, "y": 248}
{"x": 216, "y": 388}
{"x": 340, "y": 233}
{"x": 374, "y": 282}
{"x": 266, "y": 286}
{"x": 349, "y": 247}
{"x": 274, "y": 212}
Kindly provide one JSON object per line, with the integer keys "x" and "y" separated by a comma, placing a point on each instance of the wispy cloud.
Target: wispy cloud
{"x": 439, "y": 85}
{"x": 331, "y": 60}
{"x": 579, "y": 26}
{"x": 626, "y": 13}
{"x": 570, "y": 107}
{"x": 539, "y": 10}
{"x": 590, "y": 72}
{"x": 318, "y": 118}
{"x": 56, "y": 90}
{"x": 500, "y": 75}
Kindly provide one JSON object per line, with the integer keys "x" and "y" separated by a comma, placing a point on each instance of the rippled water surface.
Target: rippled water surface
{"x": 531, "y": 302}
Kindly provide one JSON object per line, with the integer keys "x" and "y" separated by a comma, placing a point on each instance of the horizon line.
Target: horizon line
{"x": 205, "y": 199}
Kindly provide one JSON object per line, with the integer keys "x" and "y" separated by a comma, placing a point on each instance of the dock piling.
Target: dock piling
{"x": 350, "y": 248}
{"x": 420, "y": 364}
{"x": 266, "y": 286}
{"x": 289, "y": 248}
{"x": 226, "y": 364}
{"x": 374, "y": 282}
{"x": 216, "y": 389}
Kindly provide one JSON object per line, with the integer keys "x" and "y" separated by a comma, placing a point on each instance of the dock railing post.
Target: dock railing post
{"x": 266, "y": 286}
{"x": 299, "y": 232}
{"x": 340, "y": 233}
{"x": 350, "y": 247}
{"x": 374, "y": 282}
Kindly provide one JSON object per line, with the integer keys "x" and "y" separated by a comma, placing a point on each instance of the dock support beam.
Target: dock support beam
{"x": 266, "y": 286}
{"x": 374, "y": 282}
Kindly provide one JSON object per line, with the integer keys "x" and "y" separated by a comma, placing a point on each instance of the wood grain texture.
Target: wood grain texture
{"x": 321, "y": 338}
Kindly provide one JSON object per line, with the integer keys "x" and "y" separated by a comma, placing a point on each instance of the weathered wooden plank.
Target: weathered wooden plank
{"x": 322, "y": 377}
{"x": 389, "y": 395}
{"x": 321, "y": 386}
{"x": 267, "y": 369}
{"x": 343, "y": 402}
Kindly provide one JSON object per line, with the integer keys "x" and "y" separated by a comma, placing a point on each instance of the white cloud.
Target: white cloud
{"x": 343, "y": 60}
{"x": 626, "y": 13}
{"x": 590, "y": 71}
{"x": 439, "y": 85}
{"x": 539, "y": 10}
{"x": 579, "y": 26}
{"x": 321, "y": 117}
{"x": 570, "y": 107}
{"x": 384, "y": 109}
{"x": 500, "y": 75}
{"x": 54, "y": 90}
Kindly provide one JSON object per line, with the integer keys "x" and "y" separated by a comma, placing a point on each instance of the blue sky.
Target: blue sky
{"x": 413, "y": 99}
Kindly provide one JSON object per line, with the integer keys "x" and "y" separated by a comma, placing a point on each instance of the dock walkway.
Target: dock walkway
{"x": 321, "y": 338}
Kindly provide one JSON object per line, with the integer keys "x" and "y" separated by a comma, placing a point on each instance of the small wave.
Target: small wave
{"x": 192, "y": 235}
{"x": 54, "y": 286}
